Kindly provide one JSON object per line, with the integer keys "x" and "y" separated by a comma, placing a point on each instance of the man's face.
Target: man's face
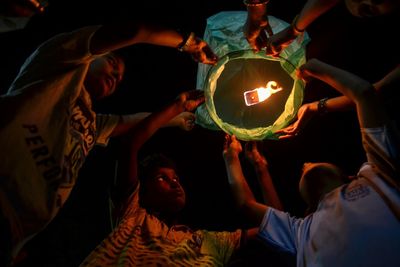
{"x": 371, "y": 8}
{"x": 164, "y": 191}
{"x": 104, "y": 75}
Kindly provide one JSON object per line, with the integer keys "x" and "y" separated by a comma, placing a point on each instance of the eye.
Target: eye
{"x": 160, "y": 179}
{"x": 175, "y": 179}
{"x": 112, "y": 60}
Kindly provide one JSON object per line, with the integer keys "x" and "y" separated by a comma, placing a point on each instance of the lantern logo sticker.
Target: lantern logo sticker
{"x": 260, "y": 94}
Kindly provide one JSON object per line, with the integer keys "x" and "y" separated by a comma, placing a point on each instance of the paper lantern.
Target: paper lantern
{"x": 237, "y": 75}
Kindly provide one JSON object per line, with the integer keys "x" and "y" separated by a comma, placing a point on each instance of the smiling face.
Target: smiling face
{"x": 104, "y": 75}
{"x": 372, "y": 8}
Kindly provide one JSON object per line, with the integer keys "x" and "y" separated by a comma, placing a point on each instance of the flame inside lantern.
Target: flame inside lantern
{"x": 260, "y": 94}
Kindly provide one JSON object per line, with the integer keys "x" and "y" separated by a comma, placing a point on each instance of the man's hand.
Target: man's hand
{"x": 184, "y": 120}
{"x": 232, "y": 147}
{"x": 256, "y": 33}
{"x": 304, "y": 115}
{"x": 253, "y": 155}
{"x": 200, "y": 51}
{"x": 190, "y": 100}
{"x": 280, "y": 41}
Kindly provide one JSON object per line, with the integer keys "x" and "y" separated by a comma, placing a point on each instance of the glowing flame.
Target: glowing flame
{"x": 260, "y": 94}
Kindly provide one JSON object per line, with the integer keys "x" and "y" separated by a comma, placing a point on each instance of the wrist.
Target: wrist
{"x": 231, "y": 157}
{"x": 187, "y": 39}
{"x": 260, "y": 163}
{"x": 295, "y": 28}
{"x": 321, "y": 106}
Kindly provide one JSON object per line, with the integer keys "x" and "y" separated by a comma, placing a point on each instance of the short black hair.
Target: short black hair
{"x": 151, "y": 163}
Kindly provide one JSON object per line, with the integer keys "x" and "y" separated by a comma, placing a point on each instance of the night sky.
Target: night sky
{"x": 156, "y": 75}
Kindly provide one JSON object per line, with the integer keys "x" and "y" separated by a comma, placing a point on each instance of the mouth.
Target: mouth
{"x": 178, "y": 193}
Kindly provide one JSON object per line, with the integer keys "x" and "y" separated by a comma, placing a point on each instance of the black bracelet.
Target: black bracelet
{"x": 296, "y": 30}
{"x": 322, "y": 106}
{"x": 186, "y": 40}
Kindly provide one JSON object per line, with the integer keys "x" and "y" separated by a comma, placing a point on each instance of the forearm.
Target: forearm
{"x": 243, "y": 195}
{"x": 146, "y": 127}
{"x": 269, "y": 193}
{"x": 130, "y": 121}
{"x": 369, "y": 109}
{"x": 390, "y": 81}
{"x": 237, "y": 181}
{"x": 340, "y": 103}
{"x": 312, "y": 10}
{"x": 119, "y": 35}
{"x": 256, "y": 13}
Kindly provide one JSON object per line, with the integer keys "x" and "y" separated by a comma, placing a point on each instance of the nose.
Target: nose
{"x": 173, "y": 183}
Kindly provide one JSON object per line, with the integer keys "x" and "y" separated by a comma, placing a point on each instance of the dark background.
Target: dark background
{"x": 156, "y": 75}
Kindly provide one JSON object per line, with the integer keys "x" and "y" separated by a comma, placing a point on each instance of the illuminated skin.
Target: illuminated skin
{"x": 27, "y": 8}
{"x": 104, "y": 75}
{"x": 371, "y": 8}
{"x": 165, "y": 184}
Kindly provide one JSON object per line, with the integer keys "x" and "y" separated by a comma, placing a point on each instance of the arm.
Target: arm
{"x": 116, "y": 36}
{"x": 390, "y": 81}
{"x": 362, "y": 93}
{"x": 340, "y": 103}
{"x": 381, "y": 142}
{"x": 310, "y": 12}
{"x": 184, "y": 120}
{"x": 260, "y": 165}
{"x": 244, "y": 197}
{"x": 309, "y": 110}
{"x": 138, "y": 135}
{"x": 256, "y": 24}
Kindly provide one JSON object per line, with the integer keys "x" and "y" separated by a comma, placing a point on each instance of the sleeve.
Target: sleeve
{"x": 279, "y": 231}
{"x": 221, "y": 243}
{"x": 62, "y": 53}
{"x": 105, "y": 126}
{"x": 382, "y": 149}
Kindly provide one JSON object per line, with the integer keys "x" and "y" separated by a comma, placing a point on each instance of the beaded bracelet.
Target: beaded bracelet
{"x": 296, "y": 30}
{"x": 246, "y": 2}
{"x": 186, "y": 40}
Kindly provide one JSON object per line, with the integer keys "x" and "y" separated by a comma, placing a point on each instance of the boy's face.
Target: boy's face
{"x": 104, "y": 75}
{"x": 164, "y": 192}
{"x": 371, "y": 8}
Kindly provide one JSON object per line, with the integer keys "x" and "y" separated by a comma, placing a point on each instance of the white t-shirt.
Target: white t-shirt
{"x": 47, "y": 130}
{"x": 352, "y": 226}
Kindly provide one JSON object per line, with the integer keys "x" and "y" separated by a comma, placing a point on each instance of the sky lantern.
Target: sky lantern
{"x": 248, "y": 94}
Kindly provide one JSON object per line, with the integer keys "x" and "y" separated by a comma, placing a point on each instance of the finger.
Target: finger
{"x": 226, "y": 140}
{"x": 283, "y": 137}
{"x": 286, "y": 130}
{"x": 210, "y": 55}
{"x": 269, "y": 30}
{"x": 262, "y": 39}
{"x": 253, "y": 44}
